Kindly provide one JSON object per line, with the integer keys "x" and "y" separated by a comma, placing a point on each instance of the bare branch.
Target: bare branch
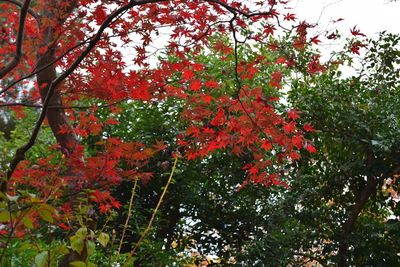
{"x": 44, "y": 67}
{"x": 153, "y": 215}
{"x": 61, "y": 107}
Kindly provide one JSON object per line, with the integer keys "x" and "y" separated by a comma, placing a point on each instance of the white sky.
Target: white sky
{"x": 370, "y": 16}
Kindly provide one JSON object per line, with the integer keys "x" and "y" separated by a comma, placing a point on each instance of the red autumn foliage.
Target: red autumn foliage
{"x": 74, "y": 52}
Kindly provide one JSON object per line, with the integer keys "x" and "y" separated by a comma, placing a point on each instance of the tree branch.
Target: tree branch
{"x": 236, "y": 11}
{"x": 19, "y": 4}
{"x": 20, "y": 153}
{"x": 20, "y": 36}
{"x": 61, "y": 107}
{"x": 362, "y": 199}
{"x": 153, "y": 215}
{"x": 44, "y": 67}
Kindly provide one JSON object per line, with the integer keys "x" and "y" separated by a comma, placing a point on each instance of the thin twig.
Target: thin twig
{"x": 240, "y": 12}
{"x": 235, "y": 42}
{"x": 13, "y": 225}
{"x": 127, "y": 219}
{"x": 46, "y": 66}
{"x": 149, "y": 225}
{"x": 62, "y": 107}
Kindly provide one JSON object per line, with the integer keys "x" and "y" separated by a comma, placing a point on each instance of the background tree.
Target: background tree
{"x": 340, "y": 209}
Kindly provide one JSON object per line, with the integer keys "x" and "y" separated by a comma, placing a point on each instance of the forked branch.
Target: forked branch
{"x": 19, "y": 4}
{"x": 20, "y": 37}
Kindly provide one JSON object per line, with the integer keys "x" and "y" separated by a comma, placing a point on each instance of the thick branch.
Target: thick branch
{"x": 50, "y": 64}
{"x": 19, "y": 4}
{"x": 20, "y": 36}
{"x": 45, "y": 62}
{"x": 61, "y": 107}
{"x": 56, "y": 117}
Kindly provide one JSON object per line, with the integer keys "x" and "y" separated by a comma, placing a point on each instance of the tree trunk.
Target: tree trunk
{"x": 56, "y": 117}
{"x": 362, "y": 198}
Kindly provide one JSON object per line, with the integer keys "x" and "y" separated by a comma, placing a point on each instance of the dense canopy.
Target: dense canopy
{"x": 160, "y": 133}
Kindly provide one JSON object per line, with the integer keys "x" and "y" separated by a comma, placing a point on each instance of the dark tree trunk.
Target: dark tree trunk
{"x": 56, "y": 117}
{"x": 369, "y": 189}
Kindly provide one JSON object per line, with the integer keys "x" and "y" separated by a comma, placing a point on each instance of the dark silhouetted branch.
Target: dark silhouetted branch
{"x": 19, "y": 4}
{"x": 20, "y": 36}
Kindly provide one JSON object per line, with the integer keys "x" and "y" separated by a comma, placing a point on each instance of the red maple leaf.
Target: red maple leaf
{"x": 187, "y": 74}
{"x": 290, "y": 17}
{"x": 195, "y": 85}
{"x": 276, "y": 79}
{"x": 356, "y": 46}
{"x": 293, "y": 114}
{"x": 310, "y": 148}
{"x": 356, "y": 32}
{"x": 308, "y": 127}
{"x": 315, "y": 40}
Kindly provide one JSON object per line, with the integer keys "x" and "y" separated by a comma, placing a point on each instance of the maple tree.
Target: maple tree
{"x": 69, "y": 60}
{"x": 98, "y": 71}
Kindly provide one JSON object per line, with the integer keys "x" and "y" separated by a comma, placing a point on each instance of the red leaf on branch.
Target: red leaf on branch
{"x": 311, "y": 148}
{"x": 195, "y": 85}
{"x": 276, "y": 79}
{"x": 356, "y": 32}
{"x": 187, "y": 74}
{"x": 308, "y": 127}
{"x": 290, "y": 17}
{"x": 315, "y": 40}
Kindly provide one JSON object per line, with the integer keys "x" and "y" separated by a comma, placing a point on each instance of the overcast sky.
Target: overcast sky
{"x": 371, "y": 16}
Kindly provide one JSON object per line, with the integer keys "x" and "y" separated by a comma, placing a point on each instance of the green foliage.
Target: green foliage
{"x": 358, "y": 123}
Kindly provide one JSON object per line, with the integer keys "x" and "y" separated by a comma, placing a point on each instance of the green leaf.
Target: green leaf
{"x": 77, "y": 243}
{"x": 91, "y": 264}
{"x": 4, "y": 216}
{"x": 27, "y": 222}
{"x": 78, "y": 264}
{"x": 131, "y": 261}
{"x": 26, "y": 247}
{"x": 41, "y": 259}
{"x": 62, "y": 250}
{"x": 82, "y": 232}
{"x": 46, "y": 215}
{"x": 103, "y": 239}
{"x": 375, "y": 142}
{"x": 92, "y": 234}
{"x": 90, "y": 246}
{"x": 48, "y": 207}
